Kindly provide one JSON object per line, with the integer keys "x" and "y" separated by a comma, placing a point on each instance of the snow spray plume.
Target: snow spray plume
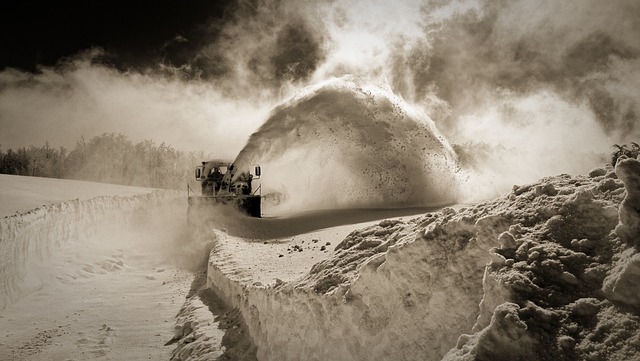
{"x": 523, "y": 83}
{"x": 527, "y": 89}
{"x": 339, "y": 145}
{"x": 162, "y": 232}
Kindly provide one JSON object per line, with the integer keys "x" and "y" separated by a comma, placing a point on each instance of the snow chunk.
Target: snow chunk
{"x": 545, "y": 189}
{"x": 597, "y": 172}
{"x": 623, "y": 282}
{"x": 628, "y": 170}
{"x": 585, "y": 307}
{"x": 506, "y": 338}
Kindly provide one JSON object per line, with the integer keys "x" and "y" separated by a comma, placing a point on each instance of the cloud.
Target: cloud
{"x": 81, "y": 98}
{"x": 576, "y": 49}
{"x": 259, "y": 47}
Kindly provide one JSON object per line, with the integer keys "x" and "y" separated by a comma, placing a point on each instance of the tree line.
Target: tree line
{"x": 107, "y": 158}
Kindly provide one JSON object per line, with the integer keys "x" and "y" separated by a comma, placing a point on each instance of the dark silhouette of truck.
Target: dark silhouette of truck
{"x": 222, "y": 185}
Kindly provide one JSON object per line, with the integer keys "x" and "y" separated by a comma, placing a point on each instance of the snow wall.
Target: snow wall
{"x": 34, "y": 235}
{"x": 549, "y": 271}
{"x": 339, "y": 144}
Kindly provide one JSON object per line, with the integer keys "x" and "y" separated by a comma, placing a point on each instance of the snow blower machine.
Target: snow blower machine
{"x": 220, "y": 185}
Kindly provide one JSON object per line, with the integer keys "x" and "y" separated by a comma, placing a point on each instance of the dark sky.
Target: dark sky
{"x": 132, "y": 33}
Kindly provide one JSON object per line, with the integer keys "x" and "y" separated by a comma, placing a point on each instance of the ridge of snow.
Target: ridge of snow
{"x": 548, "y": 271}
{"x": 31, "y": 236}
{"x": 20, "y": 194}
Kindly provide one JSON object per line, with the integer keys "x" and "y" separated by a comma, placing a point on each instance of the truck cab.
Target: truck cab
{"x": 211, "y": 175}
{"x": 220, "y": 184}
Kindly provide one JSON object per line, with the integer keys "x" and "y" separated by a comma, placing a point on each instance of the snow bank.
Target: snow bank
{"x": 623, "y": 282}
{"x": 549, "y": 271}
{"x": 197, "y": 332}
{"x": 20, "y": 194}
{"x": 32, "y": 236}
{"x": 574, "y": 247}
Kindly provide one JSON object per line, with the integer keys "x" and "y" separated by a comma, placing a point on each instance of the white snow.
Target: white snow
{"x": 623, "y": 282}
{"x": 540, "y": 273}
{"x": 21, "y": 194}
{"x": 548, "y": 271}
{"x": 94, "y": 279}
{"x": 30, "y": 236}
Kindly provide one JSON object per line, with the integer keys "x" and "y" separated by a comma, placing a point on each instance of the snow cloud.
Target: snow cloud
{"x": 522, "y": 89}
{"x": 81, "y": 98}
{"x": 340, "y": 144}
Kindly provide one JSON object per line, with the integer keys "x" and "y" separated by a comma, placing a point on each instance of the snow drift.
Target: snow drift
{"x": 342, "y": 145}
{"x": 549, "y": 271}
{"x": 32, "y": 236}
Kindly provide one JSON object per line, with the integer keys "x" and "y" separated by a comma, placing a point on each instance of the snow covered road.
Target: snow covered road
{"x": 93, "y": 279}
{"x": 106, "y": 298}
{"x": 103, "y": 276}
{"x": 548, "y": 271}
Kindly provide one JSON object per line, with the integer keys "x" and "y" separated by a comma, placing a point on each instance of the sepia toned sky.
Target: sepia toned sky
{"x": 134, "y": 33}
{"x": 543, "y": 76}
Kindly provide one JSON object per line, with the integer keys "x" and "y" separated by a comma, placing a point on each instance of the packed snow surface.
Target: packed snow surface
{"x": 549, "y": 271}
{"x": 90, "y": 279}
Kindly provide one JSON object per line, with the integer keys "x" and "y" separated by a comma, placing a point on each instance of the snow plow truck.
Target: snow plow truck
{"x": 221, "y": 185}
